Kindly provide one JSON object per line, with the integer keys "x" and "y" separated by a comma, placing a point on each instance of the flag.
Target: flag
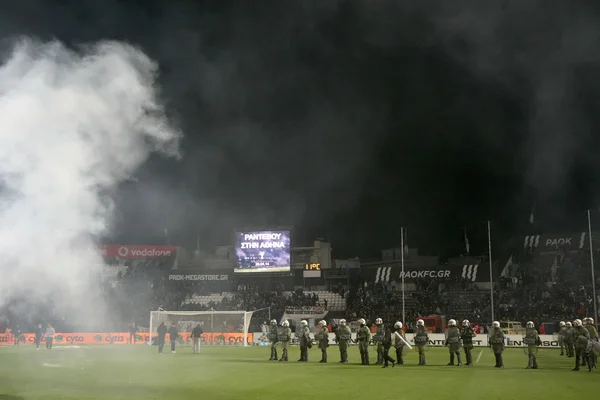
{"x": 532, "y": 215}
{"x": 467, "y": 246}
{"x": 506, "y": 270}
{"x": 405, "y": 242}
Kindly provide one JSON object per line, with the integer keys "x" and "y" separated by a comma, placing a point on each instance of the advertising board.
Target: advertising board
{"x": 436, "y": 340}
{"x": 123, "y": 337}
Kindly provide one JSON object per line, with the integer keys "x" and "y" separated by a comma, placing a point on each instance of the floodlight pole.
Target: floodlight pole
{"x": 402, "y": 263}
{"x": 489, "y": 231}
{"x": 592, "y": 264}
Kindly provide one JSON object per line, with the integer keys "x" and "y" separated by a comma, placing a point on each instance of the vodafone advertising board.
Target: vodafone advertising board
{"x": 136, "y": 251}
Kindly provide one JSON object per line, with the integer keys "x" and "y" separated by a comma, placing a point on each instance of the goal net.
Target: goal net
{"x": 220, "y": 328}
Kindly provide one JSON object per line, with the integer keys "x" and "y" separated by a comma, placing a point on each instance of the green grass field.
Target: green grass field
{"x": 138, "y": 372}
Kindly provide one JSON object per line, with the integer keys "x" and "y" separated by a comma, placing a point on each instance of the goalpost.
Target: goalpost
{"x": 220, "y": 328}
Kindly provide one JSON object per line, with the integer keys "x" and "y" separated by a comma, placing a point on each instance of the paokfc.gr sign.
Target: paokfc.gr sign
{"x": 190, "y": 277}
{"x": 470, "y": 272}
{"x": 136, "y": 252}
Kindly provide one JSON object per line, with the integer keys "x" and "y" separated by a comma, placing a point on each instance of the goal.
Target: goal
{"x": 220, "y": 328}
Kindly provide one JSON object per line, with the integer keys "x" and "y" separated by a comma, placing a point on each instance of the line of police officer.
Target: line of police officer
{"x": 584, "y": 340}
{"x": 581, "y": 341}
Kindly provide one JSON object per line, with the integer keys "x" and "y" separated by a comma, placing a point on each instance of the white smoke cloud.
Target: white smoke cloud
{"x": 73, "y": 125}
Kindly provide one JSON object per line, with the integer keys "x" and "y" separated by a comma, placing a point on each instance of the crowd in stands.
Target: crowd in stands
{"x": 541, "y": 288}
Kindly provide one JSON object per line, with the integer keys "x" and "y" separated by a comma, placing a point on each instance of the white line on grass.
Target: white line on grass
{"x": 479, "y": 357}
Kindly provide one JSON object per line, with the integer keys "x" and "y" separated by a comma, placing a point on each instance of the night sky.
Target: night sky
{"x": 350, "y": 119}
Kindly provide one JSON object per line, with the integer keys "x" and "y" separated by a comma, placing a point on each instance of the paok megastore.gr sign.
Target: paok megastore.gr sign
{"x": 189, "y": 277}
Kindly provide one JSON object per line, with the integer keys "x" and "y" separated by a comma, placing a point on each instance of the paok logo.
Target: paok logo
{"x": 469, "y": 272}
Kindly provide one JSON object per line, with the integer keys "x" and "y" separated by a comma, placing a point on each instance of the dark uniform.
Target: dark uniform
{"x": 343, "y": 335}
{"x": 581, "y": 337}
{"x": 196, "y": 338}
{"x": 161, "y": 332}
{"x": 323, "y": 338}
{"x": 467, "y": 334}
{"x": 39, "y": 333}
{"x": 387, "y": 344}
{"x": 496, "y": 340}
{"x": 173, "y": 335}
{"x": 378, "y": 339}
{"x": 421, "y": 340}
{"x": 532, "y": 341}
{"x": 453, "y": 343}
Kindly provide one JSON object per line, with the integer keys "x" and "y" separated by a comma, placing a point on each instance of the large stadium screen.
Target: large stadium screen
{"x": 263, "y": 251}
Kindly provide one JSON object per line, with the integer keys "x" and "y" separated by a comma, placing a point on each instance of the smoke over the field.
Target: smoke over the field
{"x": 74, "y": 124}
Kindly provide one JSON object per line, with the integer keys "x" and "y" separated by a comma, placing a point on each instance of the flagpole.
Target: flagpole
{"x": 402, "y": 274}
{"x": 592, "y": 263}
{"x": 489, "y": 230}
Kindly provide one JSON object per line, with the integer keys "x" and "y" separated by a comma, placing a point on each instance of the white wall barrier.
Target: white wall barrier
{"x": 436, "y": 340}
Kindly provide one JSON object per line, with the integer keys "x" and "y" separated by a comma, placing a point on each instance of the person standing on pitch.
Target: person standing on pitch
{"x": 387, "y": 344}
{"x": 196, "y": 337}
{"x": 49, "y": 337}
{"x": 421, "y": 340}
{"x": 569, "y": 340}
{"x": 467, "y": 334}
{"x": 496, "y": 341}
{"x": 39, "y": 334}
{"x": 378, "y": 339}
{"x": 272, "y": 336}
{"x": 581, "y": 337}
{"x": 399, "y": 341}
{"x": 343, "y": 336}
{"x": 303, "y": 334}
{"x": 132, "y": 331}
{"x": 284, "y": 337}
{"x": 532, "y": 340}
{"x": 161, "y": 332}
{"x": 323, "y": 338}
{"x": 173, "y": 336}
{"x": 561, "y": 336}
{"x": 453, "y": 342}
{"x": 594, "y": 337}
{"x": 364, "y": 337}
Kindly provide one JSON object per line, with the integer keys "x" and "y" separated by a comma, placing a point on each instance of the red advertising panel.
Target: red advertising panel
{"x": 136, "y": 251}
{"x": 122, "y": 338}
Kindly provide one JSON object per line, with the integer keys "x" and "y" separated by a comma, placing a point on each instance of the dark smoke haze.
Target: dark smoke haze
{"x": 351, "y": 116}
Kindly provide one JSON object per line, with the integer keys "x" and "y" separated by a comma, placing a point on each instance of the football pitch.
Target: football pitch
{"x": 138, "y": 372}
